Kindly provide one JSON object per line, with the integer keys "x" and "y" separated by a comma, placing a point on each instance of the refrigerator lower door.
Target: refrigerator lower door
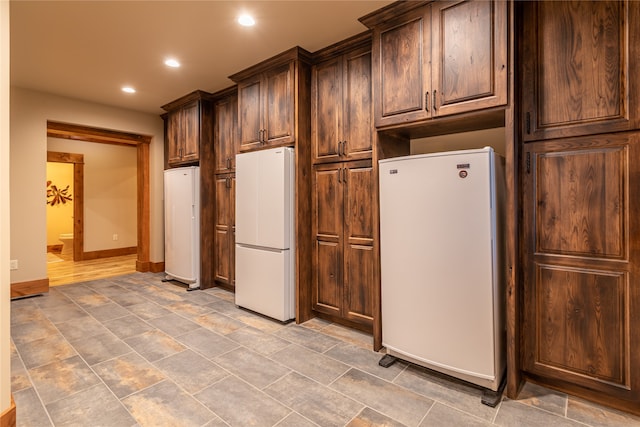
{"x": 264, "y": 282}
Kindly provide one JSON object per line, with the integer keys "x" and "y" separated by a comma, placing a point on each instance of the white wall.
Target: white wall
{"x": 110, "y": 192}
{"x": 495, "y": 138}
{"x": 5, "y": 285}
{"x": 30, "y": 111}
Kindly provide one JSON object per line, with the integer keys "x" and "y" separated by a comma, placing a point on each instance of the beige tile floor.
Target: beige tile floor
{"x": 134, "y": 351}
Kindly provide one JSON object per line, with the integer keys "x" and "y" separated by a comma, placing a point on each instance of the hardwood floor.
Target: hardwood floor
{"x": 63, "y": 271}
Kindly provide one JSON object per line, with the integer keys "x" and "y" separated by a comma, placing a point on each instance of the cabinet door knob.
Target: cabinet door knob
{"x": 435, "y": 107}
{"x": 344, "y": 148}
{"x": 426, "y": 101}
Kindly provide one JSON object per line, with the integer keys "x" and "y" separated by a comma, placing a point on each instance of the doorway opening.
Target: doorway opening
{"x": 73, "y": 177}
{"x": 108, "y": 136}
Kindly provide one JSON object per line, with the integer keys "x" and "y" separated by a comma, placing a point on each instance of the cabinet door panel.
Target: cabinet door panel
{"x": 402, "y": 74}
{"x": 232, "y": 234}
{"x": 357, "y": 117}
{"x": 359, "y": 206}
{"x": 225, "y": 116}
{"x": 469, "y": 52}
{"x": 578, "y": 68}
{"x": 581, "y": 261}
{"x": 191, "y": 132}
{"x": 326, "y": 110}
{"x": 327, "y": 289}
{"x": 223, "y": 229}
{"x": 249, "y": 124}
{"x": 581, "y": 323}
{"x": 359, "y": 283}
{"x": 174, "y": 123}
{"x": 278, "y": 120}
{"x": 581, "y": 203}
{"x": 327, "y": 202}
{"x": 327, "y": 232}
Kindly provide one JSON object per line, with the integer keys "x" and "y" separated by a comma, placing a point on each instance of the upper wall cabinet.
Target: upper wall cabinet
{"x": 267, "y": 101}
{"x": 188, "y": 125}
{"x": 225, "y": 111}
{"x": 437, "y": 59}
{"x": 579, "y": 69}
{"x": 341, "y": 113}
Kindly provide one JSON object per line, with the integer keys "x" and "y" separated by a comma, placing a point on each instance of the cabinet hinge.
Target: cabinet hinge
{"x": 528, "y": 122}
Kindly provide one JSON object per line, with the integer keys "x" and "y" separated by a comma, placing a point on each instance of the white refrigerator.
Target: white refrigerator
{"x": 265, "y": 232}
{"x": 182, "y": 225}
{"x": 441, "y": 262}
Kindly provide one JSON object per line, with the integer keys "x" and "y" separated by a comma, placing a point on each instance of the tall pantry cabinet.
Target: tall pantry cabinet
{"x": 225, "y": 139}
{"x": 580, "y": 174}
{"x": 344, "y": 190}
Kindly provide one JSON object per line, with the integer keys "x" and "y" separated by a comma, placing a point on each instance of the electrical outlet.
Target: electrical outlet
{"x": 13, "y": 264}
{"x": 115, "y": 237}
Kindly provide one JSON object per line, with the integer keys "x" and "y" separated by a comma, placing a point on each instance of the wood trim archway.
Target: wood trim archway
{"x": 141, "y": 142}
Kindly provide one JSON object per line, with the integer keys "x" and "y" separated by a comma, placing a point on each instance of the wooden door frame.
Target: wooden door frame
{"x": 78, "y": 193}
{"x": 115, "y": 137}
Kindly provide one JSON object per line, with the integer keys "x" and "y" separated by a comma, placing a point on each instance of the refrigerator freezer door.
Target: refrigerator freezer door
{"x": 437, "y": 262}
{"x": 264, "y": 284}
{"x": 264, "y": 192}
{"x": 247, "y": 179}
{"x": 274, "y": 203}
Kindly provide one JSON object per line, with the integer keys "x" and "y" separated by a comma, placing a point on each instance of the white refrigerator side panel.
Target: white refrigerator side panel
{"x": 182, "y": 223}
{"x": 263, "y": 282}
{"x": 437, "y": 261}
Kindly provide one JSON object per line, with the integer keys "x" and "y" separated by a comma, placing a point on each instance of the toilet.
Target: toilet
{"x": 67, "y": 244}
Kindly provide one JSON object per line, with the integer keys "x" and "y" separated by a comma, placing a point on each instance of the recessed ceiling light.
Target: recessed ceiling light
{"x": 246, "y": 20}
{"x": 128, "y": 89}
{"x": 171, "y": 63}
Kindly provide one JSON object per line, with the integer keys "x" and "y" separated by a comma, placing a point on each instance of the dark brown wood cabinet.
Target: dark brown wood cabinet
{"x": 344, "y": 272}
{"x": 267, "y": 101}
{"x": 341, "y": 116}
{"x": 225, "y": 112}
{"x": 225, "y": 143}
{"x": 186, "y": 128}
{"x": 580, "y": 62}
{"x": 581, "y": 266}
{"x": 580, "y": 154}
{"x": 438, "y": 59}
{"x": 224, "y": 259}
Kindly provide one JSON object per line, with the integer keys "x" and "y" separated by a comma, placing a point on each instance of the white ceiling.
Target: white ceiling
{"x": 89, "y": 49}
